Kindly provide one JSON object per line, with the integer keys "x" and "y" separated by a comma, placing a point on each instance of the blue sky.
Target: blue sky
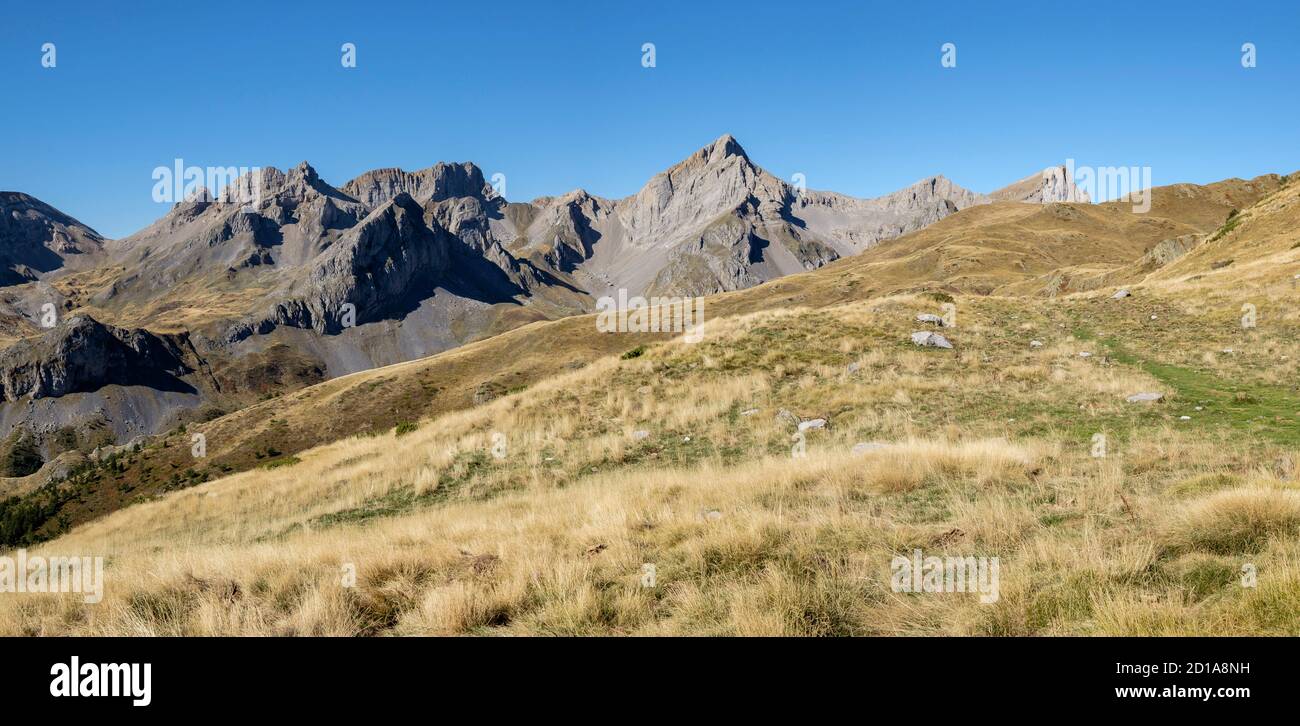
{"x": 553, "y": 94}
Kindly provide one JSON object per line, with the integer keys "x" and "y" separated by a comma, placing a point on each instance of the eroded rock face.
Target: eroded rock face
{"x": 81, "y": 354}
{"x": 438, "y": 182}
{"x": 390, "y": 259}
{"x": 36, "y": 238}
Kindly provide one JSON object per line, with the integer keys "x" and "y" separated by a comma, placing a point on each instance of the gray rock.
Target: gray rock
{"x": 1120, "y": 295}
{"x": 812, "y": 423}
{"x": 930, "y": 340}
{"x": 865, "y": 447}
{"x": 1145, "y": 397}
{"x": 930, "y": 318}
{"x": 640, "y": 435}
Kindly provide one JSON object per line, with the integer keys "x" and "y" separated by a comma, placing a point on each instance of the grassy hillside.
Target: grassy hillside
{"x": 536, "y": 509}
{"x": 989, "y": 453}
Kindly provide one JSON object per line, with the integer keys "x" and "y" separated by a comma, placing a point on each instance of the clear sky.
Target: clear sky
{"x": 554, "y": 95}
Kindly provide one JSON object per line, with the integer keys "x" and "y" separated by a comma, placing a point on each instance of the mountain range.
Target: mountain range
{"x": 223, "y": 302}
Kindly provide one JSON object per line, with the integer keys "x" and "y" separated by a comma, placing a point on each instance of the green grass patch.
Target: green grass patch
{"x": 286, "y": 461}
{"x": 1257, "y": 409}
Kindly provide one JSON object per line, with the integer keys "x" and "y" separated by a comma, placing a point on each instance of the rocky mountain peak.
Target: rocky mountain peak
{"x": 723, "y": 147}
{"x": 724, "y": 151}
{"x": 36, "y": 238}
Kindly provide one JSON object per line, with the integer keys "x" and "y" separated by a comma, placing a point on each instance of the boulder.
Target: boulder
{"x": 930, "y": 340}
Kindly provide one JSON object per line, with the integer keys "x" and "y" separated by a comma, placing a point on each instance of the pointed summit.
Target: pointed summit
{"x": 724, "y": 146}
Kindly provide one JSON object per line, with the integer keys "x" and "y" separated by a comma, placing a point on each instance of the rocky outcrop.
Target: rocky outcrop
{"x": 389, "y": 260}
{"x": 570, "y": 223}
{"x": 37, "y": 238}
{"x": 1053, "y": 184}
{"x": 81, "y": 354}
{"x": 438, "y": 182}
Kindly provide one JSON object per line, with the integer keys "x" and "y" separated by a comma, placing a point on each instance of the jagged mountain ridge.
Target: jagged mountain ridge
{"x": 711, "y": 223}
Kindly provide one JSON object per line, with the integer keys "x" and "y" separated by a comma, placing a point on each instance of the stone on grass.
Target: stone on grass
{"x": 1146, "y": 397}
{"x": 930, "y": 340}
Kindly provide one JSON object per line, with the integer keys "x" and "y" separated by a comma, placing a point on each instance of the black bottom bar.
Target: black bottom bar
{"x": 930, "y": 675}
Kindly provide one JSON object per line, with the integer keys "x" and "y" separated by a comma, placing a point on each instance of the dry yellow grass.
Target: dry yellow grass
{"x": 553, "y": 537}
